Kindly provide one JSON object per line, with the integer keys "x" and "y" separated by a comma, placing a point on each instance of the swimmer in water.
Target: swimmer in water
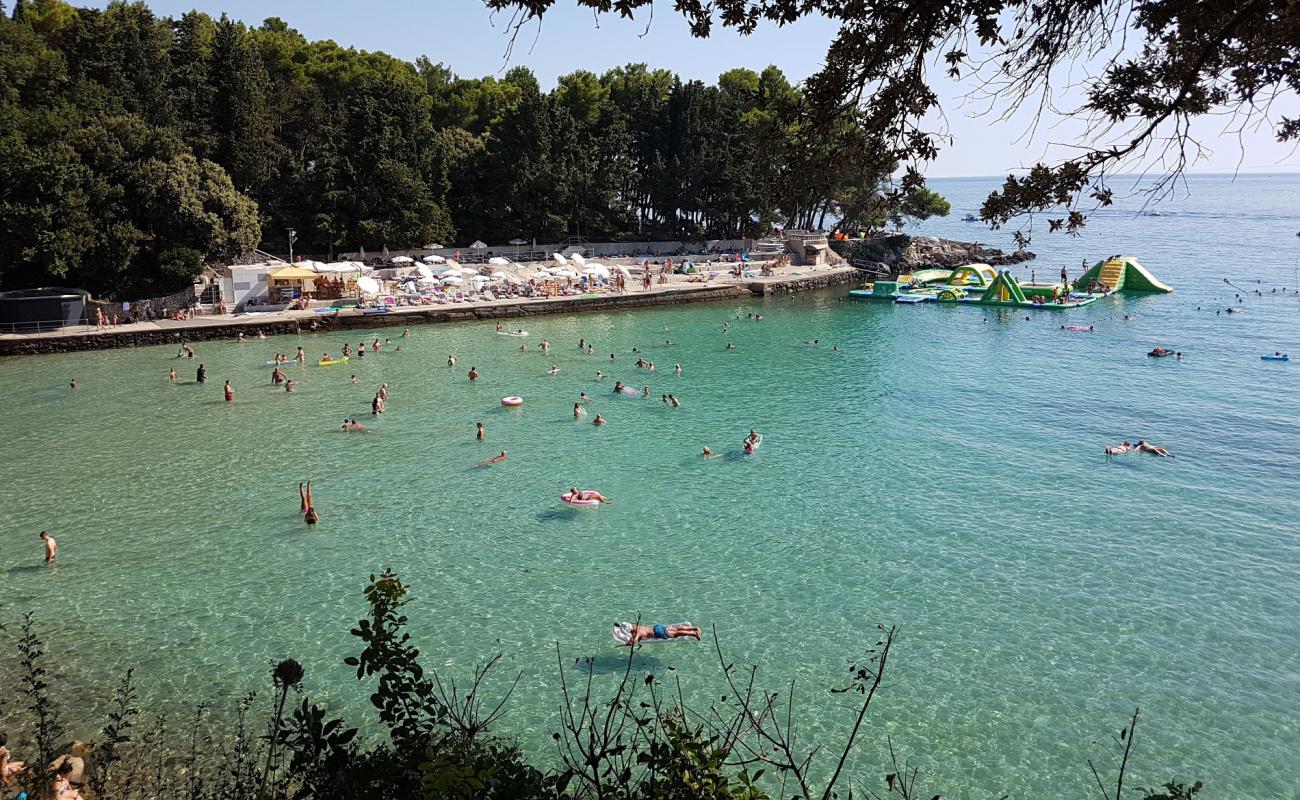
{"x": 599, "y": 420}
{"x": 707, "y": 452}
{"x": 641, "y": 633}
{"x": 300, "y": 356}
{"x": 1143, "y": 446}
{"x": 289, "y": 384}
{"x": 72, "y": 384}
{"x": 309, "y": 514}
{"x": 357, "y": 426}
{"x": 583, "y": 397}
{"x": 1117, "y": 449}
{"x": 51, "y": 547}
{"x": 479, "y": 432}
{"x": 171, "y": 375}
{"x": 406, "y": 331}
{"x": 230, "y": 392}
{"x": 578, "y": 410}
{"x": 494, "y": 459}
{"x": 835, "y": 348}
{"x": 473, "y": 373}
{"x": 618, "y": 387}
{"x": 731, "y": 346}
{"x": 500, "y": 327}
{"x": 677, "y": 369}
{"x": 451, "y": 360}
{"x": 354, "y": 378}
{"x": 554, "y": 369}
{"x": 600, "y": 375}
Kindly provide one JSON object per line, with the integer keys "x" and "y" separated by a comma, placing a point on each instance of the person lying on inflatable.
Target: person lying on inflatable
{"x": 629, "y": 634}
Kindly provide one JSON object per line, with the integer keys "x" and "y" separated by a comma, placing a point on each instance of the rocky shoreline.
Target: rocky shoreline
{"x": 902, "y": 254}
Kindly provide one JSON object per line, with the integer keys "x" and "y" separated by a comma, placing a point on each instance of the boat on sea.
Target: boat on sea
{"x": 969, "y": 217}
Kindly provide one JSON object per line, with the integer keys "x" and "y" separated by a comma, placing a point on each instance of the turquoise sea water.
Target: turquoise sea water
{"x": 943, "y": 473}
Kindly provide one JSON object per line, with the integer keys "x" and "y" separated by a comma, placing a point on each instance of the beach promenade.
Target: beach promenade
{"x": 212, "y": 326}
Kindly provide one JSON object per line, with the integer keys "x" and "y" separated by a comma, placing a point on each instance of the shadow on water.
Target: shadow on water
{"x": 613, "y": 664}
{"x": 557, "y": 515}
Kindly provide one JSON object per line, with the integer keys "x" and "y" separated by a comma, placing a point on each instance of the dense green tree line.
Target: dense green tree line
{"x": 135, "y": 148}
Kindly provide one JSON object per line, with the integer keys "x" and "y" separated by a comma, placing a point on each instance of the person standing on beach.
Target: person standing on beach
{"x": 201, "y": 375}
{"x": 51, "y": 547}
{"x": 230, "y": 392}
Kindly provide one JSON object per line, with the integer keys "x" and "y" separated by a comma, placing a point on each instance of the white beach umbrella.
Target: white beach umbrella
{"x": 452, "y": 280}
{"x": 498, "y": 261}
{"x": 403, "y": 260}
{"x": 597, "y": 270}
{"x": 559, "y": 259}
{"x": 554, "y": 270}
{"x": 578, "y": 259}
{"x": 566, "y": 273}
{"x": 478, "y": 245}
{"x": 368, "y": 286}
{"x": 542, "y": 275}
{"x": 424, "y": 272}
{"x": 512, "y": 279}
{"x": 433, "y": 259}
{"x": 451, "y": 262}
{"x": 499, "y": 276}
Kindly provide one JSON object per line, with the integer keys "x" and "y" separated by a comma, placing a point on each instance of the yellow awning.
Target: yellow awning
{"x": 291, "y": 274}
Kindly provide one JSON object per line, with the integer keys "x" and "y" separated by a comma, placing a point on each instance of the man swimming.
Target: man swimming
{"x": 473, "y": 373}
{"x": 599, "y": 420}
{"x": 493, "y": 459}
{"x": 629, "y": 634}
{"x": 1143, "y": 446}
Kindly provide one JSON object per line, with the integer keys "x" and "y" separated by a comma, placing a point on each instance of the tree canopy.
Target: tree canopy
{"x": 1162, "y": 64}
{"x": 135, "y": 148}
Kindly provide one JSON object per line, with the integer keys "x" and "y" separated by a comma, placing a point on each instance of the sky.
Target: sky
{"x": 473, "y": 42}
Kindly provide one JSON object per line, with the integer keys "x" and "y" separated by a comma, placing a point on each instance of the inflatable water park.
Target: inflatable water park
{"x": 981, "y": 284}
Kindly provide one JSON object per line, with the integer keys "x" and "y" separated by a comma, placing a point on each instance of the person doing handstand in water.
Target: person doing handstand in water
{"x": 308, "y": 507}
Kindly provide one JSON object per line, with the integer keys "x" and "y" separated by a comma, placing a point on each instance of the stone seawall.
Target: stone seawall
{"x": 838, "y": 277}
{"x": 205, "y": 329}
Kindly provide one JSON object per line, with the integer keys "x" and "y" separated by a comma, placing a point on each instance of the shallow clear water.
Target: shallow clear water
{"x": 944, "y": 473}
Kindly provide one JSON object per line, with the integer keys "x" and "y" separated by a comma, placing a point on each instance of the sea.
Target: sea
{"x": 935, "y": 468}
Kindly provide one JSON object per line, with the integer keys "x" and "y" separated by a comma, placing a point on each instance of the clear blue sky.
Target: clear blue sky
{"x": 465, "y": 36}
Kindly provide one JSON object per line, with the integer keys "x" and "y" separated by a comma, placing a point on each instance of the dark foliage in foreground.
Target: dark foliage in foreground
{"x": 642, "y": 742}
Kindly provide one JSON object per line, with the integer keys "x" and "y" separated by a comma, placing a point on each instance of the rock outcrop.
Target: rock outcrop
{"x": 901, "y": 254}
